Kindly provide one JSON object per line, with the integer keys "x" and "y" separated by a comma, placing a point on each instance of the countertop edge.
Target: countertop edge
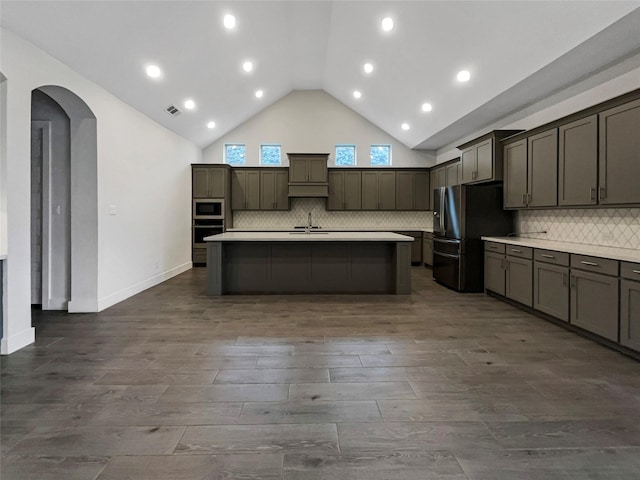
{"x": 613, "y": 253}
{"x": 303, "y": 237}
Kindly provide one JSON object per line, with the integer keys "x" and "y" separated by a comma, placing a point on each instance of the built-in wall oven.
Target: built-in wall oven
{"x": 208, "y": 219}
{"x": 212, "y": 208}
{"x": 203, "y": 228}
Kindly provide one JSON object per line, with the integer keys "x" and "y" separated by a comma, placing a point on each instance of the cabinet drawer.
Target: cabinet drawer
{"x": 549, "y": 256}
{"x": 517, "y": 251}
{"x": 199, "y": 255}
{"x": 494, "y": 247}
{"x": 630, "y": 270}
{"x": 595, "y": 264}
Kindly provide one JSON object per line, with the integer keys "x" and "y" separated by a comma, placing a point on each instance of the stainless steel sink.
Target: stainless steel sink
{"x": 308, "y": 233}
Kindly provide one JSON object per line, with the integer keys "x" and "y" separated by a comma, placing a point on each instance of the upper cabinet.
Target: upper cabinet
{"x": 274, "y": 189}
{"x": 379, "y": 189}
{"x": 345, "y": 190}
{"x": 412, "y": 190}
{"x": 260, "y": 189}
{"x": 308, "y": 168}
{"x": 210, "y": 181}
{"x": 515, "y": 174}
{"x": 620, "y": 154}
{"x": 452, "y": 174}
{"x": 578, "y": 162}
{"x": 481, "y": 159}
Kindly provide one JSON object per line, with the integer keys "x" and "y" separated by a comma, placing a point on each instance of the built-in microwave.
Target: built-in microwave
{"x": 208, "y": 208}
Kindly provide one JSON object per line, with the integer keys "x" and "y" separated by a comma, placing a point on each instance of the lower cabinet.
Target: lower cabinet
{"x": 630, "y": 314}
{"x": 427, "y": 249}
{"x": 551, "y": 290}
{"x": 494, "y": 272}
{"x": 594, "y": 303}
{"x": 519, "y": 280}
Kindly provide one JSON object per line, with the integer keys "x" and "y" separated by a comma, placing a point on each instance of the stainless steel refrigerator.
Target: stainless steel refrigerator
{"x": 461, "y": 215}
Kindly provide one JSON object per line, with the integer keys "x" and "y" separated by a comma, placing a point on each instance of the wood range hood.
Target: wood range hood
{"x": 308, "y": 175}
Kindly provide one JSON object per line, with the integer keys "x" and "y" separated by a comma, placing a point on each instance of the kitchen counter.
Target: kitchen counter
{"x": 311, "y": 263}
{"x": 614, "y": 253}
{"x": 334, "y": 229}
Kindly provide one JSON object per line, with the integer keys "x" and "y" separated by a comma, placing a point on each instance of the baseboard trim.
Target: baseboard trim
{"x": 125, "y": 293}
{"x": 16, "y": 342}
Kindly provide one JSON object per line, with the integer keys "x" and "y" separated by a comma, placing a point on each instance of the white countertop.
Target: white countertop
{"x": 315, "y": 236}
{"x": 335, "y": 229}
{"x": 614, "y": 253}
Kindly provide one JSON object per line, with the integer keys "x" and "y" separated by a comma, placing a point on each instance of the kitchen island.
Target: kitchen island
{"x": 308, "y": 262}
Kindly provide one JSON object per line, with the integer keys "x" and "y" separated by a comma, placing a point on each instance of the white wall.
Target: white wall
{"x": 312, "y": 121}
{"x": 143, "y": 169}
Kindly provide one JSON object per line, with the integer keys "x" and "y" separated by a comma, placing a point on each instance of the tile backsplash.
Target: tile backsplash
{"x": 300, "y": 207}
{"x": 611, "y": 227}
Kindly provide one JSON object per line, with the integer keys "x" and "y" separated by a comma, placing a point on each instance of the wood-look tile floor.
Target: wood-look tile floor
{"x": 173, "y": 384}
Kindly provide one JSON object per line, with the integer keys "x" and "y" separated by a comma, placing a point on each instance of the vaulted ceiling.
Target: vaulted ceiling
{"x": 517, "y": 52}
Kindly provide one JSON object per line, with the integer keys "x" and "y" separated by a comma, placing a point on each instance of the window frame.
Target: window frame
{"x": 270, "y": 145}
{"x": 235, "y": 144}
{"x": 378, "y": 145}
{"x": 355, "y": 154}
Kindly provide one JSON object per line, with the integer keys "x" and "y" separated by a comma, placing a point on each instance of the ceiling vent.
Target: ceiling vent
{"x": 172, "y": 110}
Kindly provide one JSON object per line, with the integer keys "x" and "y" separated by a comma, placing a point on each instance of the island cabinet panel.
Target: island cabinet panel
{"x": 519, "y": 280}
{"x": 274, "y": 190}
{"x": 594, "y": 303}
{"x": 542, "y": 169}
{"x": 494, "y": 272}
{"x": 551, "y": 289}
{"x": 245, "y": 189}
{"x": 379, "y": 190}
{"x": 578, "y": 162}
{"x": 515, "y": 174}
{"x": 209, "y": 181}
{"x": 620, "y": 154}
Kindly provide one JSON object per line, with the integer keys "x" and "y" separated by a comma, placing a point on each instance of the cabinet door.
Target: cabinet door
{"x": 421, "y": 191}
{"x": 404, "y": 190}
{"x": 433, "y": 181}
{"x": 468, "y": 165}
{"x": 427, "y": 251}
{"x": 620, "y": 154}
{"x": 543, "y": 169}
{"x": 416, "y": 247}
{"x": 578, "y": 162}
{"x": 336, "y": 201}
{"x": 594, "y": 303}
{"x": 494, "y": 272}
{"x": 238, "y": 187}
{"x": 217, "y": 182}
{"x": 352, "y": 190}
{"x": 317, "y": 169}
{"x": 267, "y": 190}
{"x": 484, "y": 160}
{"x": 200, "y": 182}
{"x": 515, "y": 174}
{"x": 452, "y": 175}
{"x": 252, "y": 190}
{"x": 519, "y": 280}
{"x": 630, "y": 314}
{"x": 298, "y": 170}
{"x": 442, "y": 176}
{"x": 282, "y": 190}
{"x": 370, "y": 190}
{"x": 551, "y": 290}
{"x": 387, "y": 190}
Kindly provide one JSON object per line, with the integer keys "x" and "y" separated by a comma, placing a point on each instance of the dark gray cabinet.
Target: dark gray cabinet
{"x": 427, "y": 248}
{"x": 274, "y": 189}
{"x": 630, "y": 305}
{"x": 308, "y": 168}
{"x": 209, "y": 181}
{"x": 542, "y": 169}
{"x": 578, "y": 162}
{"x": 477, "y": 163}
{"x": 379, "y": 190}
{"x": 594, "y": 296}
{"x": 345, "y": 190}
{"x": 245, "y": 189}
{"x": 412, "y": 190}
{"x": 519, "y": 280}
{"x": 619, "y": 167}
{"x": 494, "y": 272}
{"x": 438, "y": 177}
{"x": 551, "y": 284}
{"x": 515, "y": 174}
{"x": 452, "y": 174}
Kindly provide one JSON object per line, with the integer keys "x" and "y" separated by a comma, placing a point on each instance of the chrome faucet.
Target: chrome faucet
{"x": 309, "y": 222}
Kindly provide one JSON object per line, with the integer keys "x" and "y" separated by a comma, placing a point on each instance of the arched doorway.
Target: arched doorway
{"x": 70, "y": 202}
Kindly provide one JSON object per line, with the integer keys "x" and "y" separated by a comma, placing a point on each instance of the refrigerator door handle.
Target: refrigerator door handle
{"x": 443, "y": 207}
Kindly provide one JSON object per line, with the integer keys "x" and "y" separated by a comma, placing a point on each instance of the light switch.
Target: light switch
{"x": 113, "y": 209}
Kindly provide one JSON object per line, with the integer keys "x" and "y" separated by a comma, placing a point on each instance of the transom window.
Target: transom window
{"x": 235, "y": 154}
{"x": 380, "y": 155}
{"x": 270, "y": 154}
{"x": 345, "y": 155}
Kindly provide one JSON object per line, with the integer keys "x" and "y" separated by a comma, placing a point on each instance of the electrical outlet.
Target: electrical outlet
{"x": 607, "y": 236}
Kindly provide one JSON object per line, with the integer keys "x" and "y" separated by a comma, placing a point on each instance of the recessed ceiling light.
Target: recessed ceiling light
{"x": 426, "y": 107}
{"x": 259, "y": 93}
{"x": 368, "y": 68}
{"x": 405, "y": 126}
{"x": 189, "y": 104}
{"x": 229, "y": 22}
{"x": 463, "y": 76}
{"x": 247, "y": 66}
{"x": 211, "y": 124}
{"x": 387, "y": 24}
{"x": 357, "y": 94}
{"x": 153, "y": 71}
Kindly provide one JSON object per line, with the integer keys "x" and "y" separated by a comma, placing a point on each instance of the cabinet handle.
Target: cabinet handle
{"x": 564, "y": 279}
{"x": 603, "y": 193}
{"x": 592, "y": 191}
{"x": 516, "y": 250}
{"x": 636, "y": 271}
{"x": 546, "y": 256}
{"x": 591, "y": 264}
